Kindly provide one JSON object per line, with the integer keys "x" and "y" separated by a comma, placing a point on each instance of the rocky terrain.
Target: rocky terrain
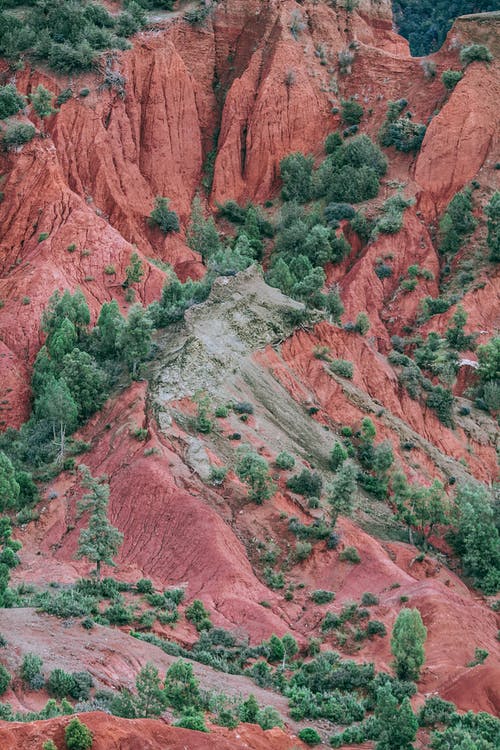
{"x": 213, "y": 108}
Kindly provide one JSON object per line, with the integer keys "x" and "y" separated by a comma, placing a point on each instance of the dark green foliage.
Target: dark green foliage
{"x": 181, "y": 686}
{"x": 9, "y": 486}
{"x": 254, "y": 471}
{"x": 322, "y": 597}
{"x": 455, "y": 335}
{"x": 310, "y": 736}
{"x": 407, "y": 644}
{"x": 440, "y": 400}
{"x": 11, "y": 101}
{"x": 78, "y": 736}
{"x": 76, "y": 685}
{"x": 342, "y": 367}
{"x": 477, "y": 539}
{"x": 193, "y": 720}
{"x": 99, "y": 542}
{"x": 134, "y": 339}
{"x": 163, "y": 217}
{"x": 268, "y": 717}
{"x": 176, "y": 298}
{"x": 450, "y": 78}
{"x": 284, "y": 461}
{"x": 397, "y": 724}
{"x": 350, "y": 554}
{"x": 68, "y": 36}
{"x": 332, "y": 142}
{"x": 425, "y": 23}
{"x": 492, "y": 211}
{"x": 404, "y": 134}
{"x": 296, "y": 171}
{"x": 198, "y": 615}
{"x": 391, "y": 220}
{"x": 8, "y": 559}
{"x": 352, "y": 112}
{"x": 436, "y": 711}
{"x": 151, "y": 700}
{"x": 5, "y": 679}
{"x": 475, "y": 53}
{"x": 31, "y": 669}
{"x": 335, "y": 212}
{"x": 17, "y": 134}
{"x": 341, "y": 492}
{"x": 248, "y": 709}
{"x": 306, "y": 483}
{"x": 337, "y": 456}
{"x": 369, "y": 600}
{"x": 457, "y": 222}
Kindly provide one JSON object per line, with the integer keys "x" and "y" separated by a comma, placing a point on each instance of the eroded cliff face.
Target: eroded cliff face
{"x": 249, "y": 90}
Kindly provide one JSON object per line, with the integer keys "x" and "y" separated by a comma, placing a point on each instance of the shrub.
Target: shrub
{"x": 5, "y": 679}
{"x": 352, "y": 112}
{"x": 198, "y": 615}
{"x": 375, "y": 627}
{"x": 11, "y": 101}
{"x": 284, "y": 461}
{"x": 450, "y": 78}
{"x": 144, "y": 586}
{"x": 163, "y": 217}
{"x": 383, "y": 271}
{"x": 49, "y": 745}
{"x": 332, "y": 142}
{"x": 435, "y": 711}
{"x": 404, "y": 134}
{"x": 306, "y": 483}
{"x": 193, "y": 720}
{"x": 310, "y": 736}
{"x": 221, "y": 412}
{"x": 475, "y": 53}
{"x": 335, "y": 212}
{"x": 296, "y": 171}
{"x": 302, "y": 551}
{"x": 243, "y": 407}
{"x": 17, "y": 134}
{"x": 31, "y": 668}
{"x": 321, "y": 596}
{"x": 217, "y": 475}
{"x": 362, "y": 324}
{"x": 268, "y": 717}
{"x": 350, "y": 554}
{"x": 174, "y": 595}
{"x": 342, "y": 367}
{"x": 78, "y": 736}
{"x": 369, "y": 600}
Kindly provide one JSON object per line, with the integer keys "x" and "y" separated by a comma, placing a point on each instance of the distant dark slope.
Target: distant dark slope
{"x": 425, "y": 23}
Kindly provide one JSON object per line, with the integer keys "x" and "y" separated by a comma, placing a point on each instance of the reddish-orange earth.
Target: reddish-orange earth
{"x": 110, "y": 733}
{"x": 242, "y": 92}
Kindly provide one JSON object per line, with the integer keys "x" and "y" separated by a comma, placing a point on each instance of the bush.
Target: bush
{"x": 284, "y": 461}
{"x": 144, "y": 586}
{"x": 78, "y": 736}
{"x": 268, "y": 717}
{"x": 193, "y": 720}
{"x": 369, "y": 600}
{"x": 375, "y": 627}
{"x": 342, "y": 367}
{"x": 5, "y": 679}
{"x": 306, "y": 483}
{"x": 321, "y": 596}
{"x": 335, "y": 212}
{"x": 332, "y": 142}
{"x": 11, "y": 101}
{"x": 17, "y": 134}
{"x": 310, "y": 736}
{"x": 475, "y": 53}
{"x": 350, "y": 554}
{"x": 198, "y": 615}
{"x": 243, "y": 407}
{"x": 163, "y": 217}
{"x": 296, "y": 171}
{"x": 450, "y": 78}
{"x": 352, "y": 112}
{"x": 31, "y": 668}
{"x": 404, "y": 134}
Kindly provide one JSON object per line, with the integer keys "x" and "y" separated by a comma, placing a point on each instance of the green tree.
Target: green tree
{"x": 362, "y": 324}
{"x": 352, "y": 112}
{"x": 62, "y": 341}
{"x": 86, "y": 382}
{"x": 107, "y": 331}
{"x": 41, "y": 101}
{"x": 134, "y": 271}
{"x": 397, "y": 725}
{"x": 296, "y": 172}
{"x": 477, "y": 539}
{"x": 134, "y": 339}
{"x": 254, "y": 471}
{"x": 181, "y": 687}
{"x": 489, "y": 360}
{"x": 202, "y": 235}
{"x": 5, "y": 679}
{"x": 77, "y": 735}
{"x": 492, "y": 211}
{"x": 341, "y": 492}
{"x": 290, "y": 648}
{"x": 280, "y": 276}
{"x": 9, "y": 487}
{"x": 31, "y": 668}
{"x": 71, "y": 306}
{"x": 151, "y": 699}
{"x": 11, "y": 101}
{"x": 56, "y": 405}
{"x": 163, "y": 217}
{"x": 249, "y": 709}
{"x": 100, "y": 541}
{"x": 338, "y": 455}
{"x": 407, "y": 644}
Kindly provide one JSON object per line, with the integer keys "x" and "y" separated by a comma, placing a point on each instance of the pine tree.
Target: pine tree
{"x": 9, "y": 487}
{"x": 100, "y": 541}
{"x": 71, "y": 306}
{"x": 107, "y": 331}
{"x": 202, "y": 236}
{"x": 280, "y": 276}
{"x": 181, "y": 686}
{"x": 134, "y": 339}
{"x": 134, "y": 271}
{"x": 8, "y": 558}
{"x": 407, "y": 644}
{"x": 87, "y": 383}
{"x": 151, "y": 700}
{"x": 254, "y": 471}
{"x": 492, "y": 211}
{"x": 56, "y": 405}
{"x": 62, "y": 341}
{"x": 397, "y": 726}
{"x": 341, "y": 491}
